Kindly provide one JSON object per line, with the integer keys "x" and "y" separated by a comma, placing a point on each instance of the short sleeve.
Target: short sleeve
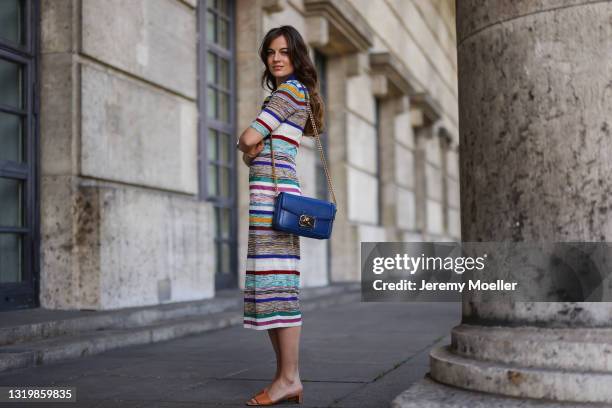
{"x": 284, "y": 101}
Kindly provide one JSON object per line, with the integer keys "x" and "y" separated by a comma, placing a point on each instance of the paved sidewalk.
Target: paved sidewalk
{"x": 354, "y": 355}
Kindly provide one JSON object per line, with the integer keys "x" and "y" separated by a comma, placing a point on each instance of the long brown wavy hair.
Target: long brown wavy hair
{"x": 304, "y": 71}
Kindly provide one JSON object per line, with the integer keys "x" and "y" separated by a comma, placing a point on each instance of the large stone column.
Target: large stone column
{"x": 535, "y": 104}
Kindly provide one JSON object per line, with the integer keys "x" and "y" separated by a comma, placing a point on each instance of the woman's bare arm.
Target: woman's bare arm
{"x": 251, "y": 152}
{"x": 249, "y": 139}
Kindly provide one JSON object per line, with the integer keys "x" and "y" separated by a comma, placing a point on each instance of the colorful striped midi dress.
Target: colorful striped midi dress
{"x": 272, "y": 279}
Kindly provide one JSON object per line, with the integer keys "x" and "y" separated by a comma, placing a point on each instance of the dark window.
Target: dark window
{"x": 18, "y": 189}
{"x": 378, "y": 161}
{"x": 322, "y": 190}
{"x": 321, "y": 66}
{"x": 217, "y": 154}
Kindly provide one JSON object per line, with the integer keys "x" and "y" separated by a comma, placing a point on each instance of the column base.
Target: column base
{"x": 569, "y": 365}
{"x": 430, "y": 394}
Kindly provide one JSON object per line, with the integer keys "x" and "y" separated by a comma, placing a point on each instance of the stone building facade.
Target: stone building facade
{"x": 130, "y": 190}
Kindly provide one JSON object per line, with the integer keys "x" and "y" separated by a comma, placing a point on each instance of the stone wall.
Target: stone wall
{"x": 121, "y": 222}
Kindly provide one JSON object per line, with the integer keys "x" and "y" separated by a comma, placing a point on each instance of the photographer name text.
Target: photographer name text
{"x": 407, "y": 285}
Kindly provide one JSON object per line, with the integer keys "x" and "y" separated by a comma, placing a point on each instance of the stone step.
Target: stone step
{"x": 83, "y": 344}
{"x": 61, "y": 323}
{"x": 580, "y": 349}
{"x": 80, "y": 343}
{"x": 430, "y": 394}
{"x": 516, "y": 381}
{"x": 36, "y": 324}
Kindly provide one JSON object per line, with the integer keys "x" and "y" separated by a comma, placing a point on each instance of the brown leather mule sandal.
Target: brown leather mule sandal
{"x": 263, "y": 399}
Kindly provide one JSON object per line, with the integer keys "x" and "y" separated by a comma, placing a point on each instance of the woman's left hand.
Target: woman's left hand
{"x": 252, "y": 153}
{"x": 255, "y": 150}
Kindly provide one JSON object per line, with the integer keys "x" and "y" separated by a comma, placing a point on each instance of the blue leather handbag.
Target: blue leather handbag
{"x": 299, "y": 215}
{"x": 304, "y": 216}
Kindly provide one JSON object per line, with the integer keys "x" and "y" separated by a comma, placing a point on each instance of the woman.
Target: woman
{"x": 271, "y": 296}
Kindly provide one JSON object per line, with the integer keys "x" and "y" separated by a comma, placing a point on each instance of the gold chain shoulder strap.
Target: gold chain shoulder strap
{"x": 321, "y": 153}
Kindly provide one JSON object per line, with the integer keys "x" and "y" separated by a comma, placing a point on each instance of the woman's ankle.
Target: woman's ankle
{"x": 290, "y": 380}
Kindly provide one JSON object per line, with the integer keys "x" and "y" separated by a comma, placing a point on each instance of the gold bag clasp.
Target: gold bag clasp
{"x": 307, "y": 221}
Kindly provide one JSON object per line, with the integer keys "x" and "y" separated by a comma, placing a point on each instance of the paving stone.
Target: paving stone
{"x": 397, "y": 380}
{"x": 343, "y": 363}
